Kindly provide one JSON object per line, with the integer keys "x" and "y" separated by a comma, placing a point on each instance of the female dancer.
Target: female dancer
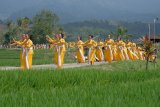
{"x": 91, "y": 44}
{"x": 99, "y": 52}
{"x": 80, "y": 51}
{"x": 108, "y": 55}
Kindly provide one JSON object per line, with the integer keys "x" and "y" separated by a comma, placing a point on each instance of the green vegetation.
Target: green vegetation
{"x": 119, "y": 84}
{"x": 125, "y": 84}
{"x": 132, "y": 30}
{"x": 42, "y": 24}
{"x": 47, "y": 23}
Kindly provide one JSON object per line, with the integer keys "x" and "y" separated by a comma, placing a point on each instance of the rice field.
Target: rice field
{"x": 120, "y": 84}
{"x": 80, "y": 87}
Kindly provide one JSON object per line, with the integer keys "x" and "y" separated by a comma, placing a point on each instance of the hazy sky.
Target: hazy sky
{"x": 8, "y": 7}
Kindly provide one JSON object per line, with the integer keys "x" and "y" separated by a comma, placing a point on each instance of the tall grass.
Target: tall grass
{"x": 120, "y": 84}
{"x": 80, "y": 87}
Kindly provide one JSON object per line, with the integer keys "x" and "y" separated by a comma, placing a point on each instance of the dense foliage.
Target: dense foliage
{"x": 45, "y": 22}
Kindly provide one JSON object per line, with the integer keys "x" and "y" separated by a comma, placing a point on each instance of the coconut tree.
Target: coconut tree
{"x": 121, "y": 31}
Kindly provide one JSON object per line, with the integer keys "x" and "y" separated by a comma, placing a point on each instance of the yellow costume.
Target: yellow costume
{"x": 129, "y": 50}
{"x": 91, "y": 44}
{"x": 99, "y": 52}
{"x": 61, "y": 52}
{"x": 114, "y": 51}
{"x": 108, "y": 55}
{"x": 22, "y": 53}
{"x": 134, "y": 50}
{"x": 80, "y": 52}
{"x": 54, "y": 43}
{"x": 140, "y": 53}
{"x": 125, "y": 53}
{"x": 26, "y": 54}
{"x": 120, "y": 49}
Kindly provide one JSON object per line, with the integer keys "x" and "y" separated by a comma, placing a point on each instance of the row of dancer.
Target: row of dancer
{"x": 109, "y": 50}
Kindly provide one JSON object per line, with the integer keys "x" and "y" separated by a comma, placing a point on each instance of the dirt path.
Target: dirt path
{"x": 52, "y": 66}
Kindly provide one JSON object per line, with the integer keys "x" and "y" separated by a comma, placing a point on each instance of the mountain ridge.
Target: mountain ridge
{"x": 67, "y": 16}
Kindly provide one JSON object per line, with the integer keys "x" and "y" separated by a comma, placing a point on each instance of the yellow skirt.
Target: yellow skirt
{"x": 26, "y": 63}
{"x": 80, "y": 56}
{"x": 120, "y": 55}
{"x": 130, "y": 55}
{"x": 22, "y": 61}
{"x": 108, "y": 55}
{"x": 91, "y": 56}
{"x": 99, "y": 55}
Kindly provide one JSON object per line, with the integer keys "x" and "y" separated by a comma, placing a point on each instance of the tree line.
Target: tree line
{"x": 43, "y": 23}
{"x": 127, "y": 30}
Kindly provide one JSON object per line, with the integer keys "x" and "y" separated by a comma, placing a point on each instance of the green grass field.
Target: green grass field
{"x": 80, "y": 87}
{"x": 120, "y": 84}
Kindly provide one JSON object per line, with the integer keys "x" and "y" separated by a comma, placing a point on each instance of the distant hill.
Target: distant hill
{"x": 105, "y": 27}
{"x": 80, "y": 10}
{"x": 73, "y": 13}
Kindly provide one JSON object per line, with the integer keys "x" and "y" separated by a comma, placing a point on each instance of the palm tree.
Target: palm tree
{"x": 121, "y": 31}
